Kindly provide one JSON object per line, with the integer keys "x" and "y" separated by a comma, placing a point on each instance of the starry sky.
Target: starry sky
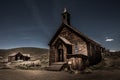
{"x": 32, "y": 23}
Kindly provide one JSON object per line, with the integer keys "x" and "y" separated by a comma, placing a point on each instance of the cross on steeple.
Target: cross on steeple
{"x": 66, "y": 17}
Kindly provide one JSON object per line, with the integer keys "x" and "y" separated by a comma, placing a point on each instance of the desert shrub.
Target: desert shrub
{"x": 29, "y": 64}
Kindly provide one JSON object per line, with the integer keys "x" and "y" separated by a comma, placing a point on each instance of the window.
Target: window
{"x": 76, "y": 48}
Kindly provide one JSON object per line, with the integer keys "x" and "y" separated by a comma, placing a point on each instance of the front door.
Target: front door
{"x": 60, "y": 55}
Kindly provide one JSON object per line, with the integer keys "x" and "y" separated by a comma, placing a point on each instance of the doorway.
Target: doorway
{"x": 60, "y": 55}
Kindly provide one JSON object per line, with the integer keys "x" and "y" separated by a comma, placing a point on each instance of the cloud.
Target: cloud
{"x": 109, "y": 40}
{"x": 112, "y": 50}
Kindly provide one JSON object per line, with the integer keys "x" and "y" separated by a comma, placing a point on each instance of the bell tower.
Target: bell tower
{"x": 65, "y": 17}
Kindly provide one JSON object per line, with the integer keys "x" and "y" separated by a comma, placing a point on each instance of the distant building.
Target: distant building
{"x": 68, "y": 45}
{"x": 18, "y": 56}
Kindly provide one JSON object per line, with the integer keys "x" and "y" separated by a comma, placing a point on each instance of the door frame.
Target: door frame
{"x": 60, "y": 57}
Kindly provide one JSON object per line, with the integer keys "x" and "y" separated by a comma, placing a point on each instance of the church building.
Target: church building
{"x": 68, "y": 45}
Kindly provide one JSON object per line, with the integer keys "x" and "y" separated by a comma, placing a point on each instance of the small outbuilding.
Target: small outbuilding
{"x": 18, "y": 56}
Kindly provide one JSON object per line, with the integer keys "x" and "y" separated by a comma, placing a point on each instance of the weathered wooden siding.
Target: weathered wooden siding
{"x": 73, "y": 38}
{"x": 94, "y": 53}
{"x": 52, "y": 55}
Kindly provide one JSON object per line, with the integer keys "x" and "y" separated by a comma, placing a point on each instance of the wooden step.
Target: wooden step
{"x": 57, "y": 66}
{"x": 58, "y": 63}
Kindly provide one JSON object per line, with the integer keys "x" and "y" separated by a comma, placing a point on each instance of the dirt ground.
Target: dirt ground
{"x": 8, "y": 74}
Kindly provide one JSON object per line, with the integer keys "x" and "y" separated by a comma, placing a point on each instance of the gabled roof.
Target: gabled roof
{"x": 27, "y": 55}
{"x": 65, "y": 40}
{"x": 13, "y": 54}
{"x": 87, "y": 39}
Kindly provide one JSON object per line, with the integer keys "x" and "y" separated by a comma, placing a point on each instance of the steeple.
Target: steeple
{"x": 65, "y": 17}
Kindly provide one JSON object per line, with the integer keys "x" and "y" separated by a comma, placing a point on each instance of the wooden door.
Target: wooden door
{"x": 60, "y": 55}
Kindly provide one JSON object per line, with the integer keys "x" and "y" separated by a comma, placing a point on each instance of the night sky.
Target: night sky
{"x": 32, "y": 23}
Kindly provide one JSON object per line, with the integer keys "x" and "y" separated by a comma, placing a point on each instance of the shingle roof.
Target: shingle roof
{"x": 74, "y": 30}
{"x": 13, "y": 54}
{"x": 28, "y": 55}
{"x": 83, "y": 35}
